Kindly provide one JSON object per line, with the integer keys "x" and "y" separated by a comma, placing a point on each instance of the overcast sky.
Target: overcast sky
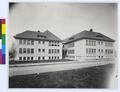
{"x": 63, "y": 19}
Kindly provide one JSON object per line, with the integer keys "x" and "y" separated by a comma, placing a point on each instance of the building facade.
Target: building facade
{"x": 31, "y": 45}
{"x": 89, "y": 45}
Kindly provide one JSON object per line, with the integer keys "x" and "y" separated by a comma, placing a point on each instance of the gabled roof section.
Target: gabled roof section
{"x": 88, "y": 35}
{"x": 47, "y": 35}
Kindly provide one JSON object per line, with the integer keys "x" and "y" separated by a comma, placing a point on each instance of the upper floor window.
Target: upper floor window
{"x": 39, "y": 42}
{"x": 32, "y": 50}
{"x": 43, "y": 50}
{"x": 98, "y": 42}
{"x": 90, "y": 51}
{"x": 50, "y": 43}
{"x": 49, "y": 51}
{"x": 24, "y": 41}
{"x": 24, "y": 50}
{"x": 94, "y": 43}
{"x": 20, "y": 41}
{"x": 28, "y": 42}
{"x": 43, "y": 42}
{"x": 101, "y": 42}
{"x": 32, "y": 42}
{"x": 86, "y": 42}
{"x": 98, "y": 50}
{"x": 58, "y": 51}
{"x": 28, "y": 50}
{"x": 58, "y": 44}
{"x": 20, "y": 50}
{"x": 90, "y": 43}
{"x": 109, "y": 44}
{"x": 102, "y": 50}
{"x": 86, "y": 50}
{"x": 39, "y": 50}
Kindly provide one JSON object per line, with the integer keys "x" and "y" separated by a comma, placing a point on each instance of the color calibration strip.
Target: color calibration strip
{"x": 2, "y": 41}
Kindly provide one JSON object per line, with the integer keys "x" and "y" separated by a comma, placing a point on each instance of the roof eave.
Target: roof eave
{"x": 87, "y": 38}
{"x": 36, "y": 39}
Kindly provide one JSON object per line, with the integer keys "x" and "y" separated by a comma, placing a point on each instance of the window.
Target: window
{"x": 99, "y": 43}
{"x": 43, "y": 50}
{"x": 49, "y": 57}
{"x": 89, "y": 51}
{"x": 49, "y": 43}
{"x": 32, "y": 50}
{"x": 43, "y": 58}
{"x": 20, "y": 58}
{"x": 31, "y": 58}
{"x": 39, "y": 50}
{"x": 58, "y": 44}
{"x": 58, "y": 51}
{"x": 55, "y": 50}
{"x": 55, "y": 57}
{"x": 28, "y": 42}
{"x": 94, "y": 50}
{"x": 24, "y": 58}
{"x": 43, "y": 42}
{"x": 86, "y": 50}
{"x": 52, "y": 57}
{"x": 20, "y": 41}
{"x": 28, "y": 51}
{"x": 49, "y": 51}
{"x": 58, "y": 57}
{"x": 94, "y": 43}
{"x": 86, "y": 42}
{"x": 52, "y": 43}
{"x": 20, "y": 50}
{"x": 24, "y": 50}
{"x": 39, "y": 42}
{"x": 106, "y": 51}
{"x": 99, "y": 50}
{"x": 39, "y": 58}
{"x": 52, "y": 50}
{"x": 28, "y": 58}
{"x": 24, "y": 41}
{"x": 32, "y": 42}
{"x": 102, "y": 50}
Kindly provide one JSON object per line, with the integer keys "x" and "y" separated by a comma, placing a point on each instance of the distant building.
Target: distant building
{"x": 31, "y": 45}
{"x": 88, "y": 45}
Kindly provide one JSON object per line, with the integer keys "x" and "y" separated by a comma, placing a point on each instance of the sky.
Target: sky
{"x": 63, "y": 19}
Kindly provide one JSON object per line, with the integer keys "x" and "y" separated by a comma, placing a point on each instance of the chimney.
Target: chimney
{"x": 91, "y": 30}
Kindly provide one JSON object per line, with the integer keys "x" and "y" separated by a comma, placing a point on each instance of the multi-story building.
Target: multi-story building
{"x": 31, "y": 45}
{"x": 89, "y": 45}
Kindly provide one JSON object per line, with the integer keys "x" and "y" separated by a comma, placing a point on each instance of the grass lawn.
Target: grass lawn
{"x": 94, "y": 77}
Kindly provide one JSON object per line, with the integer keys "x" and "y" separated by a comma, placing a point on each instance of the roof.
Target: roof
{"x": 47, "y": 35}
{"x": 88, "y": 35}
